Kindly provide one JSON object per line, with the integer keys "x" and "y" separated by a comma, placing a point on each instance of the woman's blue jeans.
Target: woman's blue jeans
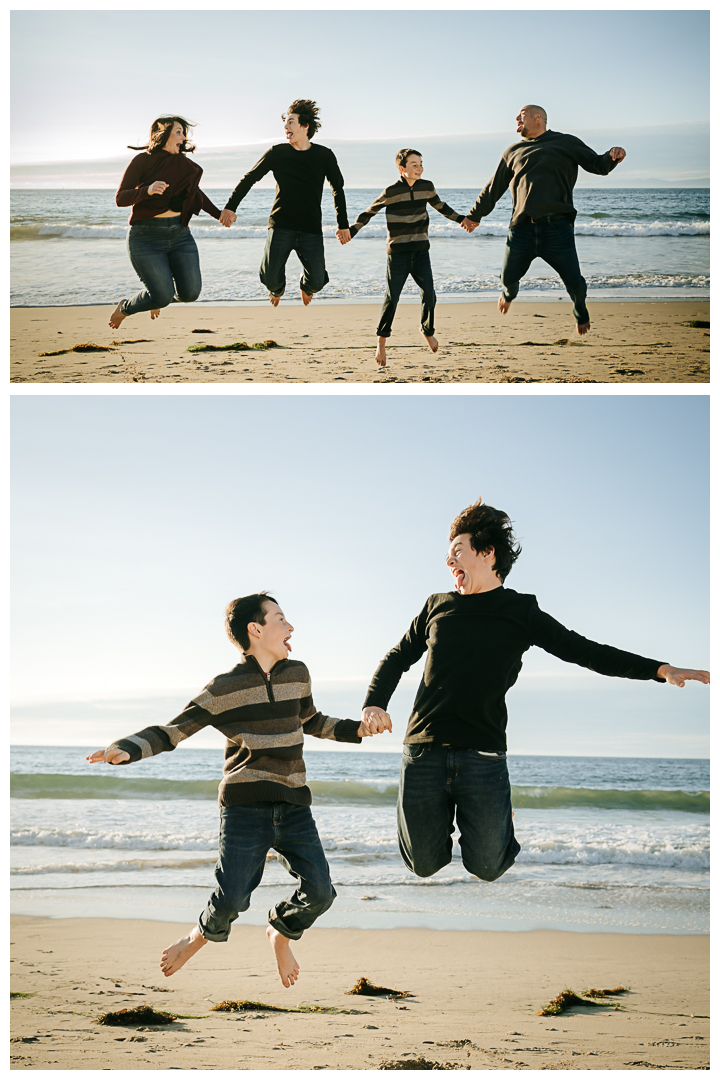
{"x": 246, "y": 835}
{"x": 310, "y": 250}
{"x": 443, "y": 784}
{"x": 165, "y": 257}
{"x": 553, "y": 241}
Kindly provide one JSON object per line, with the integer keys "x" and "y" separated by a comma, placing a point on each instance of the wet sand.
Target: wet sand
{"x": 536, "y": 342}
{"x": 475, "y": 1000}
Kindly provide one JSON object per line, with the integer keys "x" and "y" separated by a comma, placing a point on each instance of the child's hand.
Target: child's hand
{"x": 374, "y": 722}
{"x": 343, "y": 236}
{"x": 468, "y": 225}
{"x": 114, "y": 756}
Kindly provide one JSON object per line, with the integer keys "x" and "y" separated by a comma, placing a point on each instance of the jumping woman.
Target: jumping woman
{"x": 163, "y": 187}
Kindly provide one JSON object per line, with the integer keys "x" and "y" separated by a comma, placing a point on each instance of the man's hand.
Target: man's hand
{"x": 343, "y": 236}
{"x": 157, "y": 188}
{"x": 678, "y": 676}
{"x": 468, "y": 225}
{"x": 617, "y": 153}
{"x": 374, "y": 722}
{"x": 114, "y": 756}
{"x": 227, "y": 218}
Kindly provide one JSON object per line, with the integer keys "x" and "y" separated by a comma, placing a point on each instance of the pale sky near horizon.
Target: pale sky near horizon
{"x": 108, "y": 73}
{"x": 137, "y": 519}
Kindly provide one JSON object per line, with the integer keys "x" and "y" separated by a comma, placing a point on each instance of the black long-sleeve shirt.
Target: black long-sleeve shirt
{"x": 475, "y": 644}
{"x": 541, "y": 174}
{"x": 299, "y": 175}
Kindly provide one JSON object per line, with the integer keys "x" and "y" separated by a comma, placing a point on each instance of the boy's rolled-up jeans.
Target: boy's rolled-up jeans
{"x": 246, "y": 835}
{"x": 400, "y": 266}
{"x": 551, "y": 240}
{"x": 310, "y": 250}
{"x": 442, "y": 784}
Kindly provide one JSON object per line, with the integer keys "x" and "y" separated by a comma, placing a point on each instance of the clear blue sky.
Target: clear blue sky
{"x": 137, "y": 519}
{"x": 86, "y": 83}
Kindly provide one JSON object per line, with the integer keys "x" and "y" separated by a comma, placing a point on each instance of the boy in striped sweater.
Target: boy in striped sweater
{"x": 408, "y": 246}
{"x": 263, "y": 707}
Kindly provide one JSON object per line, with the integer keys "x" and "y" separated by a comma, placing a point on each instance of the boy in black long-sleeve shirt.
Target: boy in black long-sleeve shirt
{"x": 300, "y": 169}
{"x": 455, "y": 749}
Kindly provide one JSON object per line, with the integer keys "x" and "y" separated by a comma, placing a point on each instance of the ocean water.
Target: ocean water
{"x": 608, "y": 844}
{"x": 67, "y": 247}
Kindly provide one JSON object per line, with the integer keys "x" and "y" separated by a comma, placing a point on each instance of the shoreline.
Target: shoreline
{"x": 630, "y": 342}
{"x": 474, "y": 1003}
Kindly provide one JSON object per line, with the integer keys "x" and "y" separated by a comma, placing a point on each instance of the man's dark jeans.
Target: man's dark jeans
{"x": 165, "y": 257}
{"x": 440, "y": 783}
{"x": 553, "y": 241}
{"x": 310, "y": 250}
{"x": 400, "y": 265}
{"x": 246, "y": 835}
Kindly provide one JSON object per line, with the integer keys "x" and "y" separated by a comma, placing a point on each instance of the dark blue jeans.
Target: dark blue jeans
{"x": 246, "y": 835}
{"x": 310, "y": 250}
{"x": 400, "y": 266}
{"x": 553, "y": 241}
{"x": 439, "y": 784}
{"x": 165, "y": 257}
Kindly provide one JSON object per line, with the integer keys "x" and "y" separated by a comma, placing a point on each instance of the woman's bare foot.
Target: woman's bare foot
{"x": 180, "y": 951}
{"x": 274, "y": 300}
{"x": 117, "y": 316}
{"x": 154, "y": 313}
{"x": 307, "y": 297}
{"x": 431, "y": 342}
{"x": 286, "y": 963}
{"x": 380, "y": 355}
{"x": 582, "y": 328}
{"x": 503, "y": 304}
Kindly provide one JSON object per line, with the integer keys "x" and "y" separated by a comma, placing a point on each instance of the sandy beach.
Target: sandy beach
{"x": 474, "y": 1004}
{"x": 630, "y": 342}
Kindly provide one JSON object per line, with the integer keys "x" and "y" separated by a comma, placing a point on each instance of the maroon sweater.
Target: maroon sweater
{"x": 178, "y": 172}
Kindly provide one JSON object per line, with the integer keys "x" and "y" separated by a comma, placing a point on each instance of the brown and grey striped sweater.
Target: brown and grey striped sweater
{"x": 263, "y": 718}
{"x": 406, "y": 214}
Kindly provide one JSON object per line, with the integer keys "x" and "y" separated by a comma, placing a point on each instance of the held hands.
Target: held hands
{"x": 374, "y": 722}
{"x": 344, "y": 237}
{"x": 617, "y": 153}
{"x": 227, "y": 218}
{"x": 676, "y": 676}
{"x": 468, "y": 225}
{"x": 157, "y": 188}
{"x": 113, "y": 756}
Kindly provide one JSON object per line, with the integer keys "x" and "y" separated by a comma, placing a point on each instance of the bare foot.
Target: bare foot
{"x": 432, "y": 342}
{"x": 582, "y": 328}
{"x": 180, "y": 951}
{"x": 503, "y": 305}
{"x": 117, "y": 316}
{"x": 286, "y": 963}
{"x": 274, "y": 300}
{"x": 155, "y": 313}
{"x": 307, "y": 297}
{"x": 380, "y": 355}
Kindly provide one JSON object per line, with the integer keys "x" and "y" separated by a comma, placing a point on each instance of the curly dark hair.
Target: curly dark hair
{"x": 244, "y": 610}
{"x": 160, "y": 131}
{"x": 488, "y": 528}
{"x": 402, "y": 156}
{"x": 308, "y": 114}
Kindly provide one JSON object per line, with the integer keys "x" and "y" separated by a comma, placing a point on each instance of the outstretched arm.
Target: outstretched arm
{"x": 677, "y": 676}
{"x": 600, "y": 164}
{"x": 491, "y": 193}
{"x": 345, "y": 235}
{"x": 156, "y": 739}
{"x": 260, "y": 169}
{"x": 391, "y": 668}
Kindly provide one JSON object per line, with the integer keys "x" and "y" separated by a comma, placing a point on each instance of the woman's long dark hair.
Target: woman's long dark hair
{"x": 160, "y": 131}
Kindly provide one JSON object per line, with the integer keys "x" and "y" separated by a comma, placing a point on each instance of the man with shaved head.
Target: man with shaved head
{"x": 541, "y": 172}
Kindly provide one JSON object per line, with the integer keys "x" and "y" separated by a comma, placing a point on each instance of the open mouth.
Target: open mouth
{"x": 287, "y": 644}
{"x": 459, "y": 576}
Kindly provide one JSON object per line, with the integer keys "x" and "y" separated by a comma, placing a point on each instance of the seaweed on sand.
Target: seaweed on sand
{"x": 141, "y": 1014}
{"x": 568, "y": 999}
{"x": 244, "y": 1006}
{"x": 420, "y": 1063}
{"x": 236, "y": 346}
{"x": 364, "y": 986}
{"x": 86, "y": 346}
